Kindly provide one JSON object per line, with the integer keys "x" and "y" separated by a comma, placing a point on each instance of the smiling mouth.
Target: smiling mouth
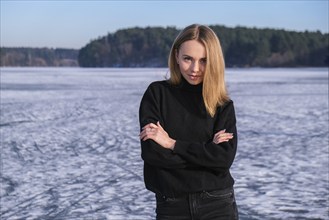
{"x": 194, "y": 76}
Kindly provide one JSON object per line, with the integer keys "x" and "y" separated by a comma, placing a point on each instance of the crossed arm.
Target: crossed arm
{"x": 156, "y": 133}
{"x": 161, "y": 150}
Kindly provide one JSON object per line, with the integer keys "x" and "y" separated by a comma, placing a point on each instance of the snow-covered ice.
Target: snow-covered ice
{"x": 70, "y": 147}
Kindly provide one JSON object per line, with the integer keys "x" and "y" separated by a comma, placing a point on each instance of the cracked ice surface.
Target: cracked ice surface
{"x": 70, "y": 147}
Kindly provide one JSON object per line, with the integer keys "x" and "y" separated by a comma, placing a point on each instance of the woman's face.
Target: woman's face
{"x": 191, "y": 58}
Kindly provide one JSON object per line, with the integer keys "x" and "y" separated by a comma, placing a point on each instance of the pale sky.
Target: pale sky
{"x": 73, "y": 24}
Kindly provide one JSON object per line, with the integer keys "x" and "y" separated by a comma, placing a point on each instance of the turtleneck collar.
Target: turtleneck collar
{"x": 184, "y": 85}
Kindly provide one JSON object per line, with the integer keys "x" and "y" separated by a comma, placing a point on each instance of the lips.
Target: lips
{"x": 194, "y": 77}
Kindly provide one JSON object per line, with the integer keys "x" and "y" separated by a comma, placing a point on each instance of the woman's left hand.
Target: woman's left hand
{"x": 222, "y": 136}
{"x": 158, "y": 134}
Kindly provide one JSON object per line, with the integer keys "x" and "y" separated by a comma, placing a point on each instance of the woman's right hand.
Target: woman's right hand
{"x": 158, "y": 134}
{"x": 222, "y": 136}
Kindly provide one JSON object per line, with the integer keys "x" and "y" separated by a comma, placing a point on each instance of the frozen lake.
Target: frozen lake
{"x": 70, "y": 147}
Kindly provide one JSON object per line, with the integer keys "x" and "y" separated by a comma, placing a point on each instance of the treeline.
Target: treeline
{"x": 243, "y": 47}
{"x": 38, "y": 57}
{"x": 149, "y": 47}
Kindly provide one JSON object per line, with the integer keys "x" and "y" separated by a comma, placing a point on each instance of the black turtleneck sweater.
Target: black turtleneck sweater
{"x": 196, "y": 163}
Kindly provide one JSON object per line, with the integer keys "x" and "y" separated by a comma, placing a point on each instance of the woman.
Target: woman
{"x": 188, "y": 132}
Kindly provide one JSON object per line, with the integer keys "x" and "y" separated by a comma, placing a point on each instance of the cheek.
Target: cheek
{"x": 202, "y": 67}
{"x": 184, "y": 67}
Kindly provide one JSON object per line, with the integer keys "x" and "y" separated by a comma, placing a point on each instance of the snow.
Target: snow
{"x": 70, "y": 147}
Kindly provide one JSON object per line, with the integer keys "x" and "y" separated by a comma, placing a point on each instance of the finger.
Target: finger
{"x": 224, "y": 138}
{"x": 222, "y": 131}
{"x": 142, "y": 132}
{"x": 142, "y": 135}
{"x": 227, "y": 138}
{"x": 159, "y": 125}
{"x": 219, "y": 138}
{"x": 219, "y": 135}
{"x": 147, "y": 136}
{"x": 153, "y": 125}
{"x": 150, "y": 125}
{"x": 145, "y": 132}
{"x": 146, "y": 129}
{"x": 150, "y": 130}
{"x": 216, "y": 139}
{"x": 146, "y": 126}
{"x": 225, "y": 135}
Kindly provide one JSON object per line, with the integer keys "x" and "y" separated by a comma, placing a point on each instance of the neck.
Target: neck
{"x": 189, "y": 87}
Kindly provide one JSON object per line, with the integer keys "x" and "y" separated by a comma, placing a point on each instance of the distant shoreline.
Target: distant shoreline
{"x": 149, "y": 47}
{"x": 157, "y": 68}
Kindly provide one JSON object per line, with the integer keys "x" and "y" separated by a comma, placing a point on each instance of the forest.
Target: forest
{"x": 40, "y": 57}
{"x": 150, "y": 46}
{"x": 242, "y": 47}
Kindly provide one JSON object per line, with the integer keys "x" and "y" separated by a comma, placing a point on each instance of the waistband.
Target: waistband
{"x": 202, "y": 194}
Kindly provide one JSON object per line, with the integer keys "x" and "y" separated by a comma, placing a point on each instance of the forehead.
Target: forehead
{"x": 193, "y": 48}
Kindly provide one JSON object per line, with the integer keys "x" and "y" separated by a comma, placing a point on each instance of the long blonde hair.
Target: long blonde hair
{"x": 214, "y": 88}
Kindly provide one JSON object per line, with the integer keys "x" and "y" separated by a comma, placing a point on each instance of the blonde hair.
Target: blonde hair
{"x": 214, "y": 88}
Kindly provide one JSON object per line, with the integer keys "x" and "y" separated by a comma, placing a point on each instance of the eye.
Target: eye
{"x": 187, "y": 58}
{"x": 203, "y": 61}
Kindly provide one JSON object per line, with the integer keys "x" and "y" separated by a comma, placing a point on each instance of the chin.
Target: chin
{"x": 194, "y": 82}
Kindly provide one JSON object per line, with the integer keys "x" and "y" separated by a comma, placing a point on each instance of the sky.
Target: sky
{"x": 73, "y": 24}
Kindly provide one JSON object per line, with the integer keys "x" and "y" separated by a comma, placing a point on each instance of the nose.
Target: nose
{"x": 195, "y": 66}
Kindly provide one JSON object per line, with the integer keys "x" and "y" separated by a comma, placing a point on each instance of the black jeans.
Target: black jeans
{"x": 214, "y": 205}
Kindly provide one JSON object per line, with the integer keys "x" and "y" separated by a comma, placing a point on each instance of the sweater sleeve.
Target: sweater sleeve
{"x": 153, "y": 153}
{"x": 218, "y": 157}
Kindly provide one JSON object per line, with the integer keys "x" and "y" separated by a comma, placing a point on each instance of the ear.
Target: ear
{"x": 176, "y": 55}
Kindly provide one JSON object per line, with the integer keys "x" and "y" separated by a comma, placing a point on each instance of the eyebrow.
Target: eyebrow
{"x": 192, "y": 57}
